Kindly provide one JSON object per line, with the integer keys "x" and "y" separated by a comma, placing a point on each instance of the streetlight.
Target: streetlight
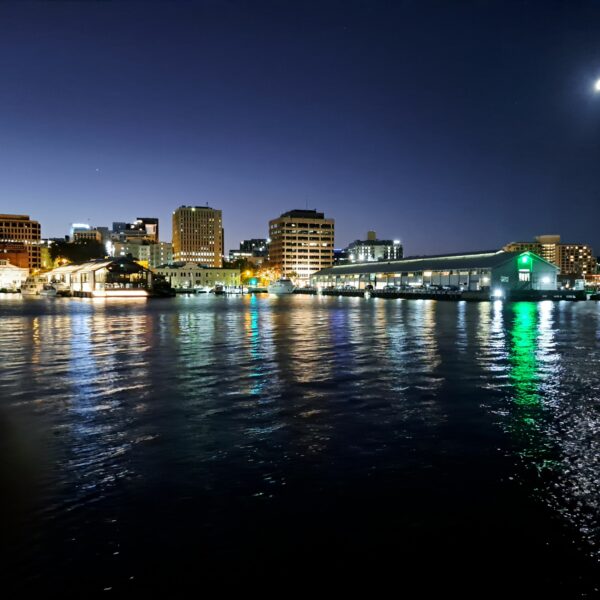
{"x": 597, "y": 86}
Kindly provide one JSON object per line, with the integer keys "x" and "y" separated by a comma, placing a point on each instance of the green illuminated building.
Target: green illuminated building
{"x": 497, "y": 273}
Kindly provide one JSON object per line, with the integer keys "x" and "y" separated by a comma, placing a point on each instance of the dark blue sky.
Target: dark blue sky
{"x": 453, "y": 126}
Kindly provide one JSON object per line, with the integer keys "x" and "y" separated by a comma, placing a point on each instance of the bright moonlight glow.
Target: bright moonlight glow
{"x": 597, "y": 85}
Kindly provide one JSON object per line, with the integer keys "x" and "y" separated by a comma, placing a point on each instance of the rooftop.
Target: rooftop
{"x": 303, "y": 214}
{"x": 374, "y": 243}
{"x": 472, "y": 260}
{"x": 195, "y": 207}
{"x": 192, "y": 265}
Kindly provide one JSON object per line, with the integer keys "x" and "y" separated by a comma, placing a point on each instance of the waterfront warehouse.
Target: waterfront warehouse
{"x": 496, "y": 273}
{"x": 102, "y": 278}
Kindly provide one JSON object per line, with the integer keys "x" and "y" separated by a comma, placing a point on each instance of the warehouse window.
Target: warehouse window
{"x": 524, "y": 275}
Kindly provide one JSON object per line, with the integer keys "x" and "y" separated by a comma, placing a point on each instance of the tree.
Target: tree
{"x": 78, "y": 251}
{"x": 243, "y": 264}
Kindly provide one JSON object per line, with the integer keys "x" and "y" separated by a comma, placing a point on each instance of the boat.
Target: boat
{"x": 281, "y": 286}
{"x": 48, "y": 290}
{"x": 218, "y": 290}
{"x": 33, "y": 285}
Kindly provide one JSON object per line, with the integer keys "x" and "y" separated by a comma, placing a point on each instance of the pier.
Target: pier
{"x": 473, "y": 296}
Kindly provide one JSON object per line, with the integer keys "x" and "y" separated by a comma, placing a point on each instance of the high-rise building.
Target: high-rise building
{"x": 572, "y": 259}
{"x": 301, "y": 243}
{"x": 198, "y": 235}
{"x": 20, "y": 239}
{"x": 374, "y": 250}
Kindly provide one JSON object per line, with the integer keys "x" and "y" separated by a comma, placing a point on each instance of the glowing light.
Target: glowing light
{"x": 597, "y": 85}
{"x": 546, "y": 280}
{"x": 498, "y": 293}
{"x": 116, "y": 293}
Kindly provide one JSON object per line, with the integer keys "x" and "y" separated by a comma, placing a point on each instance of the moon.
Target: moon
{"x": 597, "y": 85}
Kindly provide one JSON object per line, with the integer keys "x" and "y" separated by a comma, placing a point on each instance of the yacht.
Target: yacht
{"x": 33, "y": 285}
{"x": 48, "y": 290}
{"x": 281, "y": 286}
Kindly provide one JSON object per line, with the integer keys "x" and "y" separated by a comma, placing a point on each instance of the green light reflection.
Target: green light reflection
{"x": 528, "y": 414}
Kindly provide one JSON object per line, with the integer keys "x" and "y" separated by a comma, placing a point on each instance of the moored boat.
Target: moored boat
{"x": 33, "y": 285}
{"x": 281, "y": 286}
{"x": 48, "y": 290}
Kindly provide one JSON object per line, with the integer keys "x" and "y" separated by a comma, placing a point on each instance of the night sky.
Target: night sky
{"x": 452, "y": 126}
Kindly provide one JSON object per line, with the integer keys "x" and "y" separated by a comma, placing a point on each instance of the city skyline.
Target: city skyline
{"x": 370, "y": 122}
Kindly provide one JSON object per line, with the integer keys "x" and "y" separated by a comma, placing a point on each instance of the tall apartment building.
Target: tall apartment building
{"x": 198, "y": 235}
{"x": 20, "y": 238}
{"x": 301, "y": 242}
{"x": 572, "y": 259}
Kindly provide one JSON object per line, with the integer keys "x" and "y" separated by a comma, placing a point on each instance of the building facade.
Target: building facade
{"x": 574, "y": 260}
{"x": 90, "y": 234}
{"x": 103, "y": 278}
{"x": 161, "y": 253}
{"x": 373, "y": 250}
{"x": 20, "y": 237}
{"x": 12, "y": 277}
{"x": 301, "y": 243}
{"x": 150, "y": 228}
{"x": 197, "y": 276}
{"x": 256, "y": 246}
{"x": 198, "y": 235}
{"x": 78, "y": 228}
{"x": 497, "y": 273}
{"x": 254, "y": 251}
{"x": 138, "y": 251}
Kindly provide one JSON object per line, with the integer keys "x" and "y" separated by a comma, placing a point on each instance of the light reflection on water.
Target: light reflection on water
{"x": 236, "y": 397}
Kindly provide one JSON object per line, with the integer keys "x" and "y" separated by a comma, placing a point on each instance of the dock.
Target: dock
{"x": 445, "y": 295}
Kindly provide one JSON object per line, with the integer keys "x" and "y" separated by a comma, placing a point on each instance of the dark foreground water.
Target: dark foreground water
{"x": 148, "y": 446}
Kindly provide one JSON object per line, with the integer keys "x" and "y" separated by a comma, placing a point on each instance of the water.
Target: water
{"x": 433, "y": 445}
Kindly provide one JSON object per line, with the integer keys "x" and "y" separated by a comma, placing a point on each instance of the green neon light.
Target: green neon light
{"x": 525, "y": 262}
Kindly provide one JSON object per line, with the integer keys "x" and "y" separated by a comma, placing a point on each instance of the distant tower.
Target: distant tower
{"x": 198, "y": 235}
{"x": 371, "y": 236}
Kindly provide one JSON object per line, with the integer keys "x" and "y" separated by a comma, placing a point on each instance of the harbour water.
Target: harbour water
{"x": 148, "y": 445}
